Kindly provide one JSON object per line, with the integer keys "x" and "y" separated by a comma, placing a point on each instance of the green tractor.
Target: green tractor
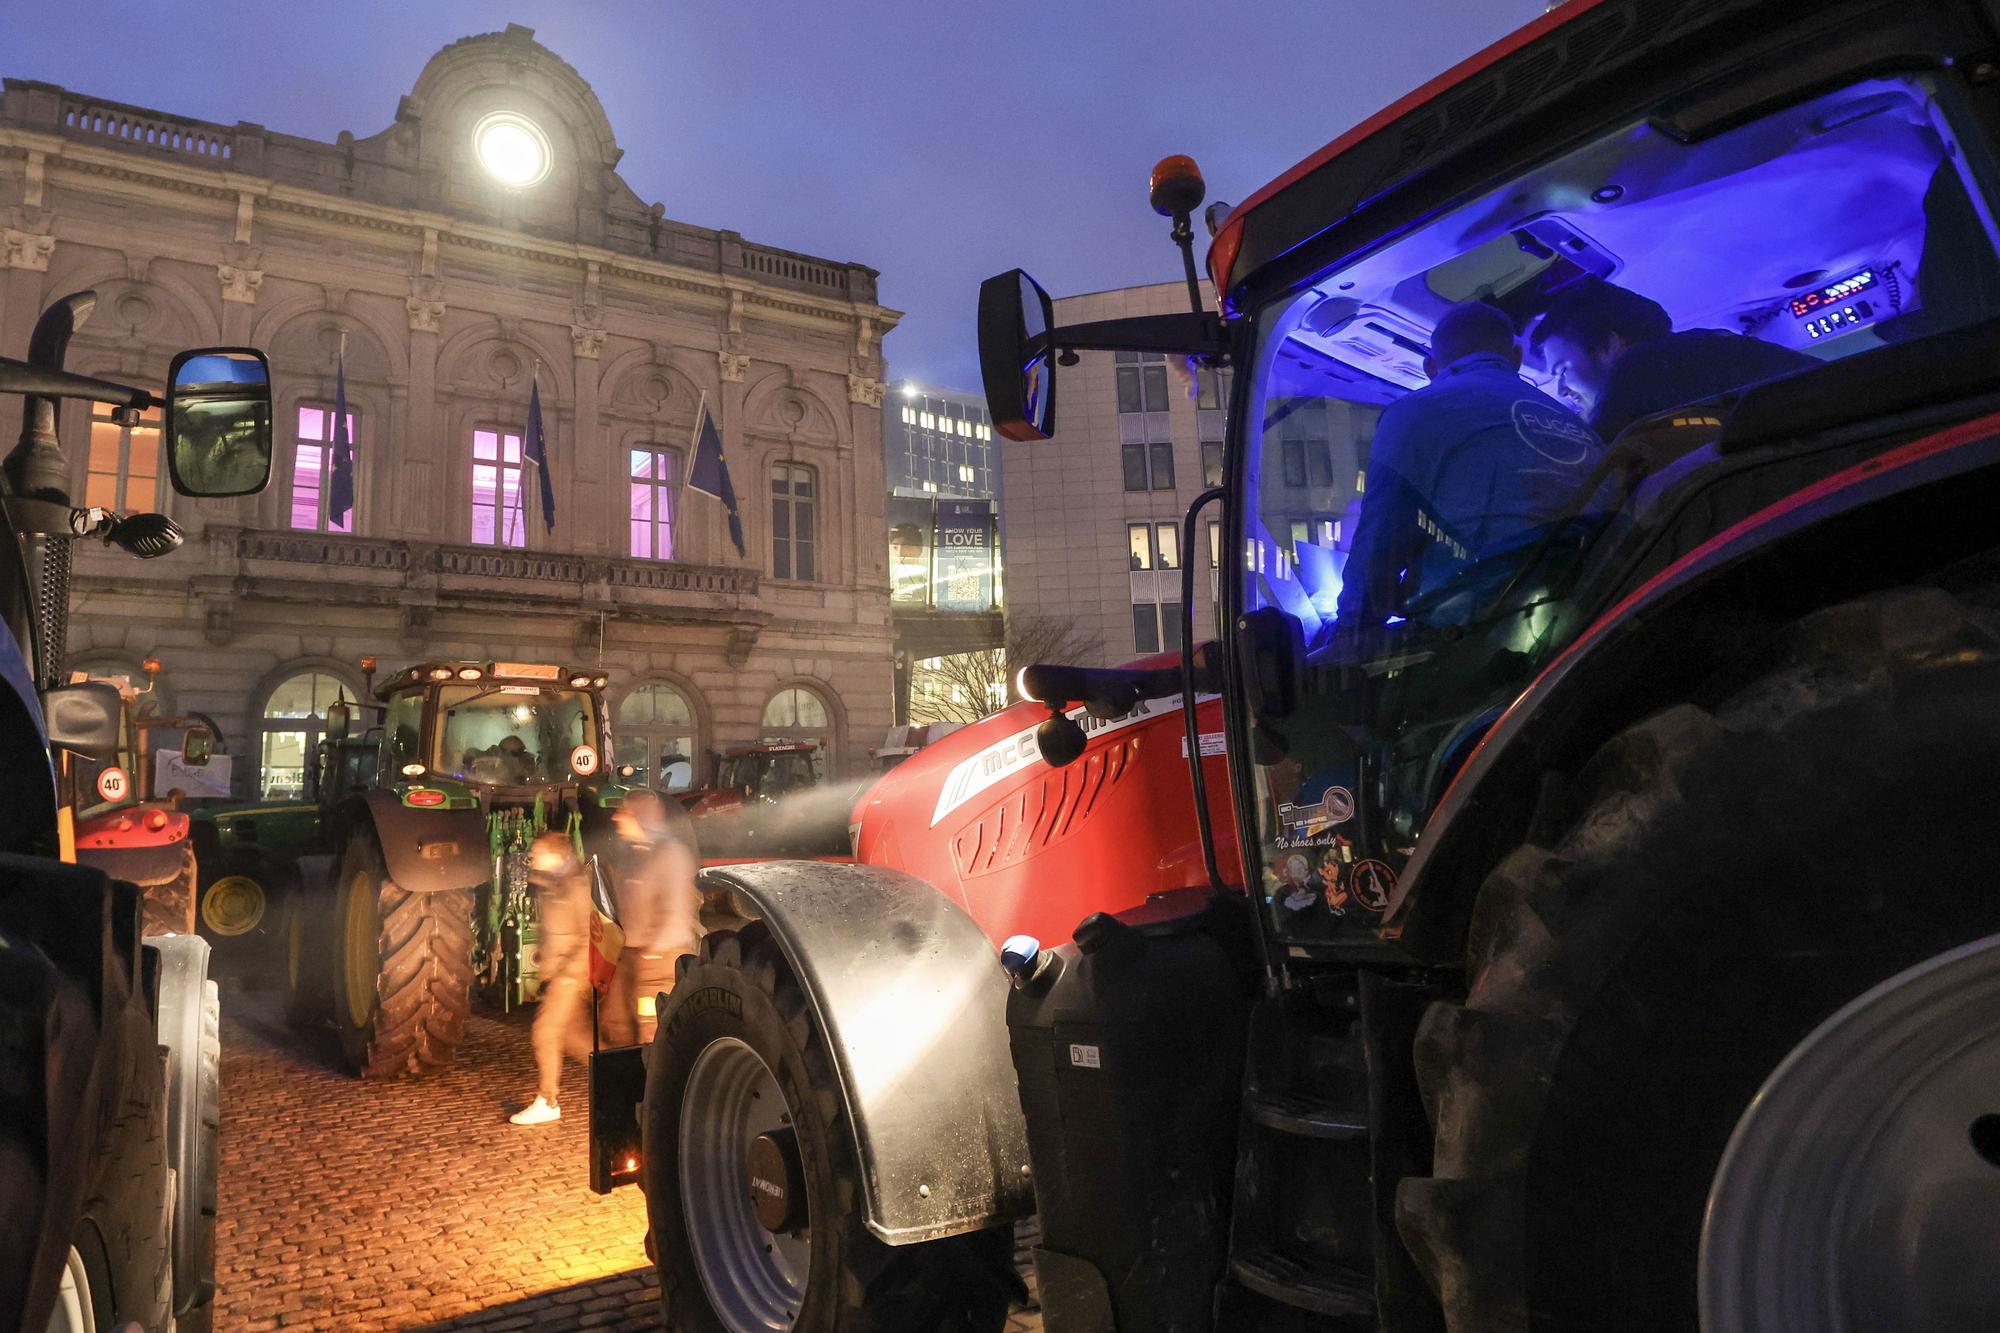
{"x": 419, "y": 893}
{"x": 247, "y": 854}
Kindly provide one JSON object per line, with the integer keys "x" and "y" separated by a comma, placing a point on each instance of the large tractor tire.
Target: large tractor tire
{"x": 752, "y": 1187}
{"x": 86, "y": 1168}
{"x": 169, "y": 903}
{"x": 402, "y": 979}
{"x": 1708, "y": 888}
{"x": 190, "y": 1027}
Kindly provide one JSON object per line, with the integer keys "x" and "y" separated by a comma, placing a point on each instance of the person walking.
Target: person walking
{"x": 562, "y": 1023}
{"x": 658, "y": 910}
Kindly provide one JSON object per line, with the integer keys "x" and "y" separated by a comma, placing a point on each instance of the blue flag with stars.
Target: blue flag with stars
{"x": 537, "y": 449}
{"x": 340, "y": 490}
{"x": 710, "y": 474}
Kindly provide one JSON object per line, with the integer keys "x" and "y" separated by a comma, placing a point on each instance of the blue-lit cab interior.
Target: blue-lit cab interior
{"x": 1840, "y": 225}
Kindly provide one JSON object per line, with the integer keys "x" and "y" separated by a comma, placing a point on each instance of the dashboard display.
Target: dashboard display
{"x": 1835, "y": 294}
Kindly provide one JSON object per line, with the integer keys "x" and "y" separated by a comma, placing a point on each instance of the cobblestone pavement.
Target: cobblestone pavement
{"x": 413, "y": 1204}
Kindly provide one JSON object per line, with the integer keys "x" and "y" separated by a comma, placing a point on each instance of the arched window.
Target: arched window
{"x": 796, "y": 713}
{"x": 656, "y": 734}
{"x": 294, "y": 720}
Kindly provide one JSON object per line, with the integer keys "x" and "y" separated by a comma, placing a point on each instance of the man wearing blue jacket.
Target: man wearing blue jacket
{"x": 1472, "y": 464}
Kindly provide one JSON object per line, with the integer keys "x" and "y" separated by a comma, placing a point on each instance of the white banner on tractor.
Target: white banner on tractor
{"x": 171, "y": 771}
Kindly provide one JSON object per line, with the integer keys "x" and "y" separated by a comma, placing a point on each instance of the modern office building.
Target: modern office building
{"x": 1091, "y": 519}
{"x": 939, "y": 442}
{"x": 482, "y": 242}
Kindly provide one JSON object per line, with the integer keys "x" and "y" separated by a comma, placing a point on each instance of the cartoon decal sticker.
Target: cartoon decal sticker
{"x": 114, "y": 784}
{"x": 1373, "y": 883}
{"x": 1295, "y": 878}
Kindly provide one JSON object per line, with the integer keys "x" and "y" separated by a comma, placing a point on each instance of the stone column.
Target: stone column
{"x": 583, "y": 508}
{"x": 418, "y": 488}
{"x": 239, "y": 300}
{"x": 752, "y": 487}
{"x": 24, "y": 259}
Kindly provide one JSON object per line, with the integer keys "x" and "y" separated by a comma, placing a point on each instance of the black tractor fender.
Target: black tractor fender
{"x": 913, "y": 1001}
{"x": 428, "y": 850}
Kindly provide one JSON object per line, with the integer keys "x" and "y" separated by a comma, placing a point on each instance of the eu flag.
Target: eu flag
{"x": 710, "y": 475}
{"x": 340, "y": 491}
{"x": 537, "y": 450}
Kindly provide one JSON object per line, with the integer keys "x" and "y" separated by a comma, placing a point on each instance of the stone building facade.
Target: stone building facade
{"x": 482, "y": 242}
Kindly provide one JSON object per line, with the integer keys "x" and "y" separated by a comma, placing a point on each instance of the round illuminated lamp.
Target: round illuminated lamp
{"x": 512, "y": 148}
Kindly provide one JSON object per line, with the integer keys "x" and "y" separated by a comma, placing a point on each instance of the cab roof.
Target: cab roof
{"x": 1528, "y": 92}
{"x": 498, "y": 671}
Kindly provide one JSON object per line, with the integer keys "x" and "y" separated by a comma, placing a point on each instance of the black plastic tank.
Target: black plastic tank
{"x": 1128, "y": 1044}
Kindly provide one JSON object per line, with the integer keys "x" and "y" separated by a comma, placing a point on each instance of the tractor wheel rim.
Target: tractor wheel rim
{"x": 755, "y": 1280}
{"x": 233, "y": 905}
{"x": 360, "y": 947}
{"x": 73, "y": 1311}
{"x": 1862, "y": 1182}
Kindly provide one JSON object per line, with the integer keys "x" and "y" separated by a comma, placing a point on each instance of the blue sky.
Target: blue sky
{"x": 937, "y": 141}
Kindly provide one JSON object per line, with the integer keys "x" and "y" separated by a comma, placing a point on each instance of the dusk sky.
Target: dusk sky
{"x": 939, "y": 142}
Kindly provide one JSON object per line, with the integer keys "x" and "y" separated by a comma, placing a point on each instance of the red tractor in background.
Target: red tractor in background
{"x": 1664, "y": 989}
{"x": 771, "y": 799}
{"x": 129, "y": 830}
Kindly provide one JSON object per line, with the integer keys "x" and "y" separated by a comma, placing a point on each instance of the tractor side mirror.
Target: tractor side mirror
{"x": 339, "y": 720}
{"x": 86, "y": 718}
{"x": 197, "y": 745}
{"x": 1016, "y": 358}
{"x": 219, "y": 421}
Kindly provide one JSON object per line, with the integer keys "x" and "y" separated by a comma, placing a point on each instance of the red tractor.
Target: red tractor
{"x": 842, "y": 1011}
{"x": 1570, "y": 815}
{"x": 132, "y": 832}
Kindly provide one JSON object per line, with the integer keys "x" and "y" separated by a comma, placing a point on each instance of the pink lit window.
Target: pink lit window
{"x": 497, "y": 516}
{"x": 652, "y": 486}
{"x": 312, "y": 472}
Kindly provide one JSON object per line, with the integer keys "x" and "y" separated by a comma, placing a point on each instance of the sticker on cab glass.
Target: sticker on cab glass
{"x": 583, "y": 760}
{"x": 1373, "y": 883}
{"x": 1301, "y": 825}
{"x": 114, "y": 784}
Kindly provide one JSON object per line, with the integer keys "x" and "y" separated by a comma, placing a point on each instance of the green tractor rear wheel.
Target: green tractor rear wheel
{"x": 402, "y": 976}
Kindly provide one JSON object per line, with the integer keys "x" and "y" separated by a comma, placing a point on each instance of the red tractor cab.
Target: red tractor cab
{"x": 757, "y": 773}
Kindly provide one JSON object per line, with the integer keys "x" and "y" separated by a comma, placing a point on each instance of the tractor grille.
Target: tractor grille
{"x": 1041, "y": 814}
{"x": 49, "y": 565}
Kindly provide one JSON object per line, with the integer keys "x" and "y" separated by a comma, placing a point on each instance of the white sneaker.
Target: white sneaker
{"x": 536, "y": 1112}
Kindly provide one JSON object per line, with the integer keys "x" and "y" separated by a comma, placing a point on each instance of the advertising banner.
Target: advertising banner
{"x": 964, "y": 555}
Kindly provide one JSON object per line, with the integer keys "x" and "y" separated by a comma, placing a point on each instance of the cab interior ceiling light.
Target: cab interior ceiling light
{"x": 512, "y": 148}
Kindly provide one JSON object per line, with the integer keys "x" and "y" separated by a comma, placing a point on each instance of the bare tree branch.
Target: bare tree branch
{"x": 968, "y": 686}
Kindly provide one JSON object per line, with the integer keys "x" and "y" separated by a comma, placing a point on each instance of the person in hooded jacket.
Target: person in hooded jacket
{"x": 658, "y": 910}
{"x": 562, "y": 1020}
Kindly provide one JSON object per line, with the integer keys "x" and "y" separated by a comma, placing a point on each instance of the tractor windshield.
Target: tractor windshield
{"x": 514, "y": 735}
{"x": 1440, "y": 434}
